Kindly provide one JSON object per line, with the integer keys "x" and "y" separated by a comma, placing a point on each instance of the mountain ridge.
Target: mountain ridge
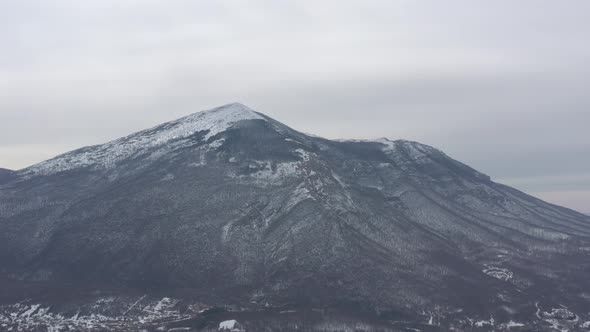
{"x": 245, "y": 211}
{"x": 212, "y": 121}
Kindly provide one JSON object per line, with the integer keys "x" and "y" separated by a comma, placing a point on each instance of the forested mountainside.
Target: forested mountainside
{"x": 228, "y": 208}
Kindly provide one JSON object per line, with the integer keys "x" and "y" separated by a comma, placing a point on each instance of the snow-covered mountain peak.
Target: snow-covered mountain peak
{"x": 229, "y": 112}
{"x": 210, "y": 122}
{"x": 214, "y": 121}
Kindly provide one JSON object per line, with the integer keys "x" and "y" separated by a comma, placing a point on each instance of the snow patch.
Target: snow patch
{"x": 227, "y": 324}
{"x": 30, "y": 311}
{"x": 512, "y": 324}
{"x": 303, "y": 154}
{"x": 498, "y": 273}
{"x": 292, "y": 140}
{"x": 282, "y": 170}
{"x": 482, "y": 323}
{"x": 558, "y": 318}
{"x": 230, "y": 325}
{"x": 164, "y": 302}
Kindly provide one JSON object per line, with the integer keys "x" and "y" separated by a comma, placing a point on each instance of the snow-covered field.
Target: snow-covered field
{"x": 141, "y": 313}
{"x": 150, "y": 314}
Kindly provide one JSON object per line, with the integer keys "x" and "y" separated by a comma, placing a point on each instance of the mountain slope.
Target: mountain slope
{"x": 236, "y": 208}
{"x": 5, "y": 174}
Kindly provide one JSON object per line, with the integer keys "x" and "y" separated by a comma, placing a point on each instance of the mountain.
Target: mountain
{"x": 230, "y": 209}
{"x": 5, "y": 174}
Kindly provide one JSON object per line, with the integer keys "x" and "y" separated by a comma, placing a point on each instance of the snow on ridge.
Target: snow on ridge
{"x": 391, "y": 145}
{"x": 219, "y": 119}
{"x": 107, "y": 155}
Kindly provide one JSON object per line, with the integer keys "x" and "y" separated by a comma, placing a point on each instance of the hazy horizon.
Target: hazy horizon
{"x": 504, "y": 91}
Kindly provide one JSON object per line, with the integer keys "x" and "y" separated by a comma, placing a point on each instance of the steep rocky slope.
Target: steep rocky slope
{"x": 231, "y": 207}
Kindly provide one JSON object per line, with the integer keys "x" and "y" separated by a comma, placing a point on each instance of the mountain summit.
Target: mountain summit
{"x": 232, "y": 208}
{"x": 208, "y": 123}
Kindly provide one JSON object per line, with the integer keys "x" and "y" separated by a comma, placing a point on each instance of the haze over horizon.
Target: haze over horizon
{"x": 505, "y": 92}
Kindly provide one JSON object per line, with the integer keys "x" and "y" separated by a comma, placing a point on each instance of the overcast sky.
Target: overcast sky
{"x": 503, "y": 86}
